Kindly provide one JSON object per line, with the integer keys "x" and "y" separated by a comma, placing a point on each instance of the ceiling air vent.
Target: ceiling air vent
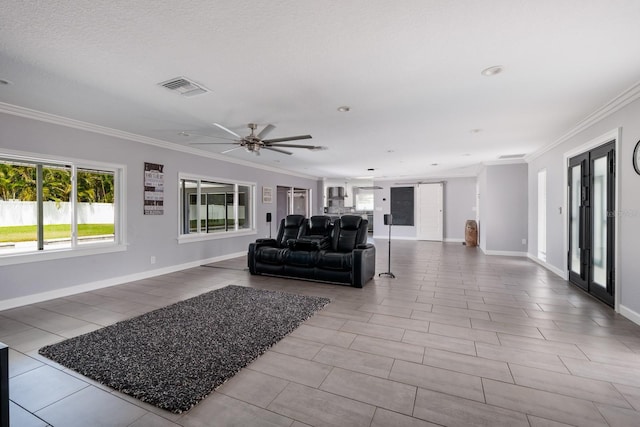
{"x": 512, "y": 156}
{"x": 185, "y": 87}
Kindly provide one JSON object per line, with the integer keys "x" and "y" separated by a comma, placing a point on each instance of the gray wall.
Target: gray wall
{"x": 146, "y": 235}
{"x": 459, "y": 196}
{"x": 503, "y": 208}
{"x": 627, "y": 216}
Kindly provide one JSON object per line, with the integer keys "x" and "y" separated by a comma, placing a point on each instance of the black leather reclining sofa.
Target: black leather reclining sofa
{"x": 316, "y": 249}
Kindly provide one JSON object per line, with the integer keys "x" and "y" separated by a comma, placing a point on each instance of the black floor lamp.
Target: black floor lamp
{"x": 388, "y": 220}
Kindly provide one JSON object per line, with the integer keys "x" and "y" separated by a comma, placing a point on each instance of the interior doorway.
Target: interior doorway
{"x": 591, "y": 196}
{"x": 292, "y": 200}
{"x": 430, "y": 212}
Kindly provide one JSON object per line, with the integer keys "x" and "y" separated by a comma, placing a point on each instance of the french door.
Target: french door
{"x": 592, "y": 221}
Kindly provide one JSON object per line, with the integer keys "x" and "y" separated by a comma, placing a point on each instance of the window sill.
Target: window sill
{"x": 189, "y": 238}
{"x": 26, "y": 257}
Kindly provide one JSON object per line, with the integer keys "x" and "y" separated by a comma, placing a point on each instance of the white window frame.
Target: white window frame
{"x": 200, "y": 236}
{"x": 119, "y": 243}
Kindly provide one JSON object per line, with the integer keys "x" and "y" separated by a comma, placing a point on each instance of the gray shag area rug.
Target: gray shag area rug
{"x": 175, "y": 356}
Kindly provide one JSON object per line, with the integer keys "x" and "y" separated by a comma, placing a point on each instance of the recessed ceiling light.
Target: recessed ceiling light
{"x": 344, "y": 109}
{"x": 466, "y": 155}
{"x": 371, "y": 169}
{"x": 390, "y": 151}
{"x": 434, "y": 164}
{"x": 492, "y": 71}
{"x": 475, "y": 130}
{"x": 184, "y": 133}
{"x": 5, "y": 82}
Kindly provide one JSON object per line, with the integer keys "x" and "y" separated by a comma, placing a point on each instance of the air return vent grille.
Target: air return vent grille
{"x": 512, "y": 156}
{"x": 184, "y": 86}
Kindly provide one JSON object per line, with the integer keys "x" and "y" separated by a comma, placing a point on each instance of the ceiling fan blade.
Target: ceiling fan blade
{"x": 187, "y": 133}
{"x": 265, "y": 131}
{"x": 266, "y": 147}
{"x": 230, "y": 150}
{"x": 227, "y": 130}
{"x": 289, "y": 138}
{"x": 213, "y": 143}
{"x": 308, "y": 147}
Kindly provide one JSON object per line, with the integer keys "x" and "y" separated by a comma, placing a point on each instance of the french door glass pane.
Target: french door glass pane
{"x": 599, "y": 207}
{"x": 576, "y": 173}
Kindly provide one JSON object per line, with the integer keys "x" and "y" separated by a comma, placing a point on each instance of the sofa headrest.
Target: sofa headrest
{"x": 319, "y": 222}
{"x": 293, "y": 221}
{"x": 350, "y": 222}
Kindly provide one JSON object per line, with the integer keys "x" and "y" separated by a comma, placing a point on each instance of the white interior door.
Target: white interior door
{"x": 430, "y": 207}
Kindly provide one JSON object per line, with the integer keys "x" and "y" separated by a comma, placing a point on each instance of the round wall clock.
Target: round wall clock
{"x": 636, "y": 158}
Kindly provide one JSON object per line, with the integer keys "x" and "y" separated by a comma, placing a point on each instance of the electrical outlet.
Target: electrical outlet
{"x": 524, "y": 241}
{"x": 153, "y": 260}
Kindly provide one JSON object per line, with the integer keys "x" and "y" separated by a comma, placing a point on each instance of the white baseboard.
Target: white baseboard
{"x": 505, "y": 253}
{"x": 551, "y": 268}
{"x": 92, "y": 286}
{"x": 453, "y": 240}
{"x": 634, "y": 316}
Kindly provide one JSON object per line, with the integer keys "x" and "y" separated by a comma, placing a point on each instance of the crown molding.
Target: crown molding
{"x": 102, "y": 130}
{"x": 622, "y": 100}
{"x": 504, "y": 162}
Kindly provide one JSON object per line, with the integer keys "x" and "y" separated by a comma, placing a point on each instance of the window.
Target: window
{"x": 364, "y": 200}
{"x": 214, "y": 207}
{"x": 57, "y": 206}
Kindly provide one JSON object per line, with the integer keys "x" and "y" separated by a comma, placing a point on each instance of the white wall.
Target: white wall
{"x": 146, "y": 236}
{"x": 503, "y": 209}
{"x": 459, "y": 202}
{"x": 627, "y": 216}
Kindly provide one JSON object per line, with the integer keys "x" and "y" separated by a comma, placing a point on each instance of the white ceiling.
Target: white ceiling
{"x": 409, "y": 70}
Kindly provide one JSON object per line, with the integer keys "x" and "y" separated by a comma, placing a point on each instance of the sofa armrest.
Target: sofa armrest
{"x": 364, "y": 264}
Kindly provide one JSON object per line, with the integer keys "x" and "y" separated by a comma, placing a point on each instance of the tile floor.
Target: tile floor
{"x": 457, "y": 339}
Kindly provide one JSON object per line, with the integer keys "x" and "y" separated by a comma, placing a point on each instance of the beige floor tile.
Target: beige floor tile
{"x": 326, "y": 322}
{"x": 543, "y": 404}
{"x": 253, "y": 387}
{"x": 507, "y": 328}
{"x": 153, "y": 420}
{"x": 297, "y": 347}
{"x": 441, "y": 342}
{"x": 497, "y": 308}
{"x": 603, "y": 371}
{"x": 463, "y": 333}
{"x": 324, "y": 336}
{"x": 394, "y": 349}
{"x": 379, "y": 392}
{"x": 384, "y": 418}
{"x": 543, "y": 422}
{"x": 617, "y": 417}
{"x": 91, "y": 407}
{"x": 452, "y": 411}
{"x": 373, "y": 330}
{"x": 31, "y": 339}
{"x": 441, "y": 318}
{"x": 631, "y": 394}
{"x": 399, "y": 322}
{"x": 20, "y": 363}
{"x": 219, "y": 410}
{"x": 541, "y": 346}
{"x": 437, "y": 379}
{"x": 19, "y": 417}
{"x": 467, "y": 364}
{"x": 40, "y": 387}
{"x": 386, "y": 309}
{"x": 358, "y": 361}
{"x": 291, "y": 368}
{"x": 462, "y": 312}
{"x": 319, "y": 408}
{"x": 549, "y": 362}
{"x": 568, "y": 385}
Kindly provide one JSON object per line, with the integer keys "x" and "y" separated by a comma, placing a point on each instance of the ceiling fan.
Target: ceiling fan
{"x": 254, "y": 143}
